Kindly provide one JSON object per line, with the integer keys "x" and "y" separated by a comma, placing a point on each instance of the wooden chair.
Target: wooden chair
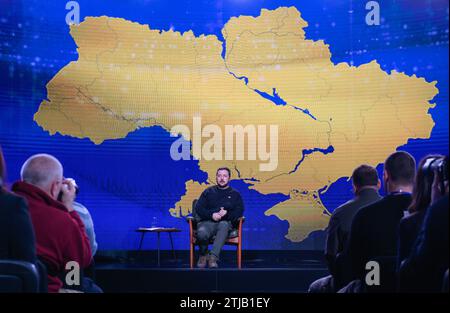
{"x": 234, "y": 236}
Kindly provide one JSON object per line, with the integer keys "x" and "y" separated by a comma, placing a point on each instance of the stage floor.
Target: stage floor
{"x": 263, "y": 271}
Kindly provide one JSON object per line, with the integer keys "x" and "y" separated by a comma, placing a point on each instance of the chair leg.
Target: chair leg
{"x": 191, "y": 256}
{"x": 239, "y": 255}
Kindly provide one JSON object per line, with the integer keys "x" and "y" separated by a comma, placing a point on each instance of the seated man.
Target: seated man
{"x": 374, "y": 230}
{"x": 219, "y": 208}
{"x": 366, "y": 184}
{"x": 60, "y": 233}
{"x": 86, "y": 218}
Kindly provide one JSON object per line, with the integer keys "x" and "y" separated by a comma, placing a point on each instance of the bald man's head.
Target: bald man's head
{"x": 43, "y": 171}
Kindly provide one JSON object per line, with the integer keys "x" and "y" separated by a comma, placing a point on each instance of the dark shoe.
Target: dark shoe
{"x": 212, "y": 261}
{"x": 202, "y": 260}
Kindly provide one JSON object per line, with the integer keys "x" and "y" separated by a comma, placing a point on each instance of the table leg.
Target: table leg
{"x": 159, "y": 256}
{"x": 142, "y": 240}
{"x": 173, "y": 250}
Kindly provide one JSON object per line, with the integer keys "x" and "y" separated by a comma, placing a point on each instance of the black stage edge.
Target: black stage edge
{"x": 262, "y": 271}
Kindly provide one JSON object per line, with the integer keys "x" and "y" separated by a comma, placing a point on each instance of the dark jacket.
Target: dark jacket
{"x": 408, "y": 231}
{"x": 374, "y": 231}
{"x": 424, "y": 270}
{"x": 17, "y": 241}
{"x": 341, "y": 221}
{"x": 60, "y": 235}
{"x": 213, "y": 198}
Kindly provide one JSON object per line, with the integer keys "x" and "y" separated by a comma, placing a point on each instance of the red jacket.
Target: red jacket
{"x": 60, "y": 235}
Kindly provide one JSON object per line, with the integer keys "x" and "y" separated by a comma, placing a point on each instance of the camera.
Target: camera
{"x": 77, "y": 189}
{"x": 439, "y": 166}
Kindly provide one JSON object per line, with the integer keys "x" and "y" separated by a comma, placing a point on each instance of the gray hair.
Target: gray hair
{"x": 41, "y": 170}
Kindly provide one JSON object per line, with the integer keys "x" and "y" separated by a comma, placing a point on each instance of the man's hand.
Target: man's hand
{"x": 216, "y": 216}
{"x": 222, "y": 212}
{"x": 68, "y": 194}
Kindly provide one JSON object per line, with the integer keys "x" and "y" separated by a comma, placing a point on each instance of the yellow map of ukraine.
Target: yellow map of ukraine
{"x": 130, "y": 76}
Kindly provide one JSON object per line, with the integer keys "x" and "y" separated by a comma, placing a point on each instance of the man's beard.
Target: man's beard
{"x": 222, "y": 186}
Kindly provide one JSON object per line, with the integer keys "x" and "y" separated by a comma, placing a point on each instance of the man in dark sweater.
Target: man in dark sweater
{"x": 374, "y": 231}
{"x": 219, "y": 209}
{"x": 365, "y": 185}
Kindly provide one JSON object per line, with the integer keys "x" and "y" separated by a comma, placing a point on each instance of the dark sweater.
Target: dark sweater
{"x": 17, "y": 241}
{"x": 213, "y": 198}
{"x": 374, "y": 231}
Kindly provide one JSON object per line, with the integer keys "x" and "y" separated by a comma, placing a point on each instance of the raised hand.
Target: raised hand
{"x": 68, "y": 194}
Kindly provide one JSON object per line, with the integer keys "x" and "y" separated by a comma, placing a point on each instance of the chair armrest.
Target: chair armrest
{"x": 240, "y": 221}
{"x": 192, "y": 221}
